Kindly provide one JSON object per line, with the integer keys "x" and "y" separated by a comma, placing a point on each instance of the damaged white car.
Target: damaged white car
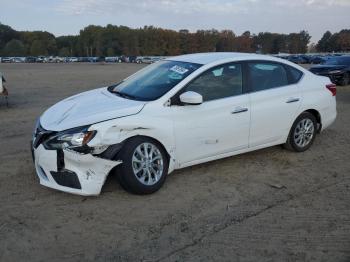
{"x": 175, "y": 113}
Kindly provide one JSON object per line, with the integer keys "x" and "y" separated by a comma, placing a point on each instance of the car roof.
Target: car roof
{"x": 207, "y": 58}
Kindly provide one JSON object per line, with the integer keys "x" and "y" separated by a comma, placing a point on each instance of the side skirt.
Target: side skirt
{"x": 233, "y": 153}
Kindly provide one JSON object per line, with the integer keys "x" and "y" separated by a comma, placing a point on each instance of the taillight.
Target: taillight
{"x": 332, "y": 88}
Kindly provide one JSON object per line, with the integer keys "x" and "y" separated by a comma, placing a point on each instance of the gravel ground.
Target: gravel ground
{"x": 268, "y": 205}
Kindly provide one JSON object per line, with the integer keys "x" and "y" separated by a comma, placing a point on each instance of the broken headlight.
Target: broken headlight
{"x": 76, "y": 139}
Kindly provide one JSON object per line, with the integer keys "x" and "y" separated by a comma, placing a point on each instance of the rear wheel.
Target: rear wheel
{"x": 302, "y": 133}
{"x": 145, "y": 166}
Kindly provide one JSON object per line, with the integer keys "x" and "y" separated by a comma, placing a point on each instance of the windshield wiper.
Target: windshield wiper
{"x": 124, "y": 95}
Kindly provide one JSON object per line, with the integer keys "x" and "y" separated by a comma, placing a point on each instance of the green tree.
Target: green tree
{"x": 70, "y": 43}
{"x": 226, "y": 41}
{"x": 6, "y": 35}
{"x": 64, "y": 51}
{"x": 110, "y": 51}
{"x": 343, "y": 41}
{"x": 324, "y": 44}
{"x": 298, "y": 42}
{"x": 113, "y": 40}
{"x": 38, "y": 48}
{"x": 14, "y": 48}
{"x": 39, "y": 43}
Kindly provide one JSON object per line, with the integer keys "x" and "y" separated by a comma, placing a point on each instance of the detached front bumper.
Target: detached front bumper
{"x": 72, "y": 172}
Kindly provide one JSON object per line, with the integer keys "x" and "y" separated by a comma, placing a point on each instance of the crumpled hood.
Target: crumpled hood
{"x": 88, "y": 108}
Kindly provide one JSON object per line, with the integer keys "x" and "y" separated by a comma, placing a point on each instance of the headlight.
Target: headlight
{"x": 336, "y": 72}
{"x": 75, "y": 138}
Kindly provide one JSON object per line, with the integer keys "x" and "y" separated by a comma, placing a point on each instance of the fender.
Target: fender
{"x": 118, "y": 130}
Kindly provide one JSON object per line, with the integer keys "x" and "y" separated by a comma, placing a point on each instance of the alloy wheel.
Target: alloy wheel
{"x": 304, "y": 132}
{"x": 147, "y": 164}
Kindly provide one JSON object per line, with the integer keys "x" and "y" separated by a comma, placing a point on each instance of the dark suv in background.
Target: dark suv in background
{"x": 337, "y": 68}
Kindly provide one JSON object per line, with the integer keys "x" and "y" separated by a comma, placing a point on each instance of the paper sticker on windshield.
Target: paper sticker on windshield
{"x": 178, "y": 69}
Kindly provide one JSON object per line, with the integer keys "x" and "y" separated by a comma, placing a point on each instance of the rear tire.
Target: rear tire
{"x": 145, "y": 166}
{"x": 302, "y": 133}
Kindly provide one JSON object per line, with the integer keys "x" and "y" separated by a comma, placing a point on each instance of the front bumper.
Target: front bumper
{"x": 72, "y": 172}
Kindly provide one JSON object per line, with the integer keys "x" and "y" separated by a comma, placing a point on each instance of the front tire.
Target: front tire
{"x": 302, "y": 133}
{"x": 145, "y": 166}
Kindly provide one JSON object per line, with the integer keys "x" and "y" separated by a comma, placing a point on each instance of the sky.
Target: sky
{"x": 67, "y": 17}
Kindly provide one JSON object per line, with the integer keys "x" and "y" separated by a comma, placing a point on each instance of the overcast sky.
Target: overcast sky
{"x": 63, "y": 17}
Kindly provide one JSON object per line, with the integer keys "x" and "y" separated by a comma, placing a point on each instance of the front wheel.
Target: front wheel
{"x": 145, "y": 166}
{"x": 302, "y": 133}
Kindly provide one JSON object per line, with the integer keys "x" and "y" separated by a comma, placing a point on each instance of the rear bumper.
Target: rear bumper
{"x": 71, "y": 172}
{"x": 329, "y": 114}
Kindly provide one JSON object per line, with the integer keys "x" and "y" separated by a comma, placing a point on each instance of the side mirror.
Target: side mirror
{"x": 191, "y": 98}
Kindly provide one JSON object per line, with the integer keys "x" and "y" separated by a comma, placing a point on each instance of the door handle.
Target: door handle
{"x": 292, "y": 100}
{"x": 239, "y": 110}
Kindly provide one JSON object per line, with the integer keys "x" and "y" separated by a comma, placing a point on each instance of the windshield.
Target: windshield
{"x": 154, "y": 81}
{"x": 338, "y": 61}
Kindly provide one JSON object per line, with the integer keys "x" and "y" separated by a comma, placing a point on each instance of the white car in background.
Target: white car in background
{"x": 179, "y": 112}
{"x": 73, "y": 59}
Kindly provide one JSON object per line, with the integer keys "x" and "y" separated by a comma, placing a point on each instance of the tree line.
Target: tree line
{"x": 337, "y": 42}
{"x": 114, "y": 40}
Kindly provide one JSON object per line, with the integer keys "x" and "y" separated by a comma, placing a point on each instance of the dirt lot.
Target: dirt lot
{"x": 269, "y": 205}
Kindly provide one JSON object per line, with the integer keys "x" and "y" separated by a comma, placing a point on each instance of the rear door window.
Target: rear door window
{"x": 267, "y": 75}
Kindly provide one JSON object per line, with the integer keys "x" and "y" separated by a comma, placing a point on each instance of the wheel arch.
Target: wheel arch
{"x": 317, "y": 115}
{"x": 152, "y": 138}
{"x": 169, "y": 155}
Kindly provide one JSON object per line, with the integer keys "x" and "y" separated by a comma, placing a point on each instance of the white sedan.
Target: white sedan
{"x": 179, "y": 112}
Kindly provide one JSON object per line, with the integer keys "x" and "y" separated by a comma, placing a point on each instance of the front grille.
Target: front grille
{"x": 41, "y": 135}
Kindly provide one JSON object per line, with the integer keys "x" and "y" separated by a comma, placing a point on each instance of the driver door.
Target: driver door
{"x": 220, "y": 124}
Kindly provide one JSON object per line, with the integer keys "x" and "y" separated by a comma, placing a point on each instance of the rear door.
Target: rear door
{"x": 275, "y": 99}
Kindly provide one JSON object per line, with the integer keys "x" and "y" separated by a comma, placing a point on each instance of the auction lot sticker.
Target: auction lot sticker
{"x": 178, "y": 69}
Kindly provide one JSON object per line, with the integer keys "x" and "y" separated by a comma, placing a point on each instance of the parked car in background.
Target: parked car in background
{"x": 40, "y": 59}
{"x": 179, "y": 112}
{"x": 147, "y": 60}
{"x": 297, "y": 59}
{"x": 73, "y": 59}
{"x": 83, "y": 59}
{"x": 133, "y": 59}
{"x": 30, "y": 59}
{"x": 123, "y": 59}
{"x": 307, "y": 58}
{"x": 111, "y": 59}
{"x": 316, "y": 59}
{"x": 18, "y": 59}
{"x": 139, "y": 59}
{"x": 156, "y": 59}
{"x": 97, "y": 59}
{"x": 337, "y": 68}
{"x": 101, "y": 59}
{"x": 58, "y": 59}
{"x": 6, "y": 60}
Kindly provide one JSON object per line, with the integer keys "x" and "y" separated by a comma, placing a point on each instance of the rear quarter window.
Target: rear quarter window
{"x": 294, "y": 75}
